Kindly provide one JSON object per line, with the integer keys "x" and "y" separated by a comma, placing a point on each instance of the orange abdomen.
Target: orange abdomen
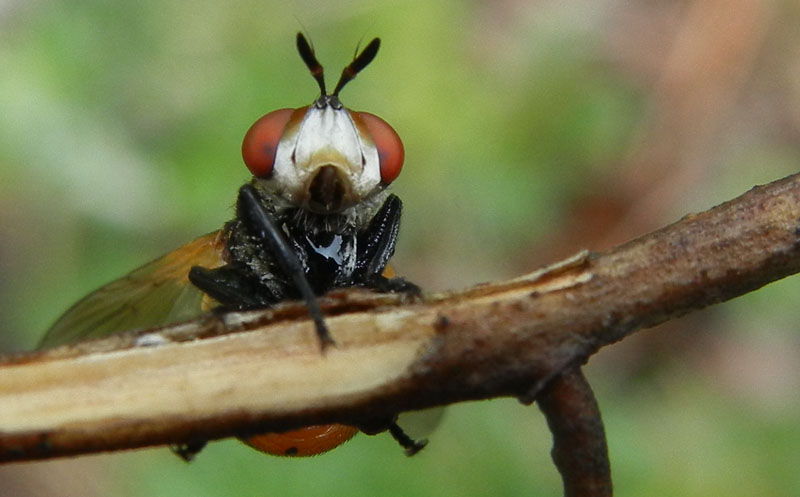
{"x": 308, "y": 441}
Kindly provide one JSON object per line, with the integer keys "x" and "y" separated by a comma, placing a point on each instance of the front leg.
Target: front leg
{"x": 263, "y": 225}
{"x": 229, "y": 286}
{"x": 378, "y": 242}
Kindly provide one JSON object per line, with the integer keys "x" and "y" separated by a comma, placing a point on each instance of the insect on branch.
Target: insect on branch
{"x": 263, "y": 371}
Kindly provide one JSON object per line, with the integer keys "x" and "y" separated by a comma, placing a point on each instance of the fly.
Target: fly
{"x": 316, "y": 216}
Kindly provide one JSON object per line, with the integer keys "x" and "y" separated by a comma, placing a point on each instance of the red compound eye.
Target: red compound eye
{"x": 387, "y": 141}
{"x": 261, "y": 142}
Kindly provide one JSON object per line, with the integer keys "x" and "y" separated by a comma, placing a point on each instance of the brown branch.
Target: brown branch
{"x": 263, "y": 371}
{"x": 579, "y": 450}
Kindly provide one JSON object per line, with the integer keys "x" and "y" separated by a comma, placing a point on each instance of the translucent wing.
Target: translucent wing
{"x": 419, "y": 424}
{"x": 157, "y": 293}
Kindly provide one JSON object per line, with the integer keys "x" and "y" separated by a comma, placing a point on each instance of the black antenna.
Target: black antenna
{"x": 361, "y": 61}
{"x": 307, "y": 54}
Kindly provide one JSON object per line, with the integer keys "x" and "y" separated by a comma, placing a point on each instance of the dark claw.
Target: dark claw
{"x": 189, "y": 450}
{"x": 410, "y": 445}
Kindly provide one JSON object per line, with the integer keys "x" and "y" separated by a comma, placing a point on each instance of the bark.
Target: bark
{"x": 263, "y": 371}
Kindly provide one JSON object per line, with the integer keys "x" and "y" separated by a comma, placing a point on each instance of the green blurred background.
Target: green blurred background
{"x": 532, "y": 130}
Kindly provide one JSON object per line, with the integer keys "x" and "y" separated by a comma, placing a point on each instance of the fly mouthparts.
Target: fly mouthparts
{"x": 327, "y": 190}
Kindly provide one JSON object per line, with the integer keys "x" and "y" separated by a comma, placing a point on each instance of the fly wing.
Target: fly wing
{"x": 420, "y": 424}
{"x": 155, "y": 294}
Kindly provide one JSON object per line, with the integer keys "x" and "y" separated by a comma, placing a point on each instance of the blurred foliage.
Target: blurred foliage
{"x": 120, "y": 128}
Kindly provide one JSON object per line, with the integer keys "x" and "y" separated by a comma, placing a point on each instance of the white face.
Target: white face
{"x": 323, "y": 158}
{"x": 327, "y": 161}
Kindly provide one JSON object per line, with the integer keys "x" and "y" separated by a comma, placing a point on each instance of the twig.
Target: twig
{"x": 511, "y": 338}
{"x": 579, "y": 450}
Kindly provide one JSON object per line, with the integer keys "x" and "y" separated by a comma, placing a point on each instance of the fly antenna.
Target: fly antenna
{"x": 307, "y": 54}
{"x": 361, "y": 61}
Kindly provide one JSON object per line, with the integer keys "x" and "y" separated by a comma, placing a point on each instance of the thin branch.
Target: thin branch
{"x": 263, "y": 371}
{"x": 579, "y": 450}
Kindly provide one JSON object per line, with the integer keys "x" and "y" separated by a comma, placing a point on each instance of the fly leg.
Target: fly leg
{"x": 409, "y": 445}
{"x": 189, "y": 450}
{"x": 263, "y": 225}
{"x": 378, "y": 242}
{"x": 228, "y": 286}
